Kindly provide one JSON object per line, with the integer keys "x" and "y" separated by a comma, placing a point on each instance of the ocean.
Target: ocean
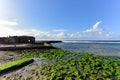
{"x": 98, "y": 47}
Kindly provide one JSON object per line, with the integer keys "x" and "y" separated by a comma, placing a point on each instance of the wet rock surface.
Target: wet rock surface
{"x": 6, "y": 56}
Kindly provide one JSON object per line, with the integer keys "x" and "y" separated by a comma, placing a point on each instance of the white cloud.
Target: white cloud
{"x": 62, "y": 35}
{"x": 93, "y": 33}
{"x": 110, "y": 35}
{"x": 95, "y": 28}
{"x": 8, "y": 23}
{"x": 76, "y": 35}
{"x": 7, "y": 28}
{"x": 32, "y": 32}
{"x": 96, "y": 25}
{"x": 10, "y": 28}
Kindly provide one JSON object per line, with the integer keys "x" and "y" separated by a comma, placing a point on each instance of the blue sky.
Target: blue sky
{"x": 61, "y": 19}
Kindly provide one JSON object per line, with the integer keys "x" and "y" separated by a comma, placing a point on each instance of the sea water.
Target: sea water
{"x": 98, "y": 47}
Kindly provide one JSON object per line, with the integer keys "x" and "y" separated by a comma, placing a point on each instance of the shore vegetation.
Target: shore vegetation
{"x": 65, "y": 65}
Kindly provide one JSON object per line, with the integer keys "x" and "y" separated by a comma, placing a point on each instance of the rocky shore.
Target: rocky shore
{"x": 24, "y": 72}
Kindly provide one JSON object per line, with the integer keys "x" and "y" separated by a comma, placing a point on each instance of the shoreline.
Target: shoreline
{"x": 23, "y": 46}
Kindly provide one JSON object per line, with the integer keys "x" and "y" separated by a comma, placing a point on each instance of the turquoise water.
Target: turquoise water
{"x": 110, "y": 48}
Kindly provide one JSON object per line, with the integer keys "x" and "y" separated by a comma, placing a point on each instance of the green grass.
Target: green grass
{"x": 14, "y": 64}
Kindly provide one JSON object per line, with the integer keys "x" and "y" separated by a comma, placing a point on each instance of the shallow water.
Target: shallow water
{"x": 110, "y": 49}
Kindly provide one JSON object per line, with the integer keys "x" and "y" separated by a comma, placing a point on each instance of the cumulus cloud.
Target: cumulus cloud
{"x": 95, "y": 28}
{"x": 10, "y": 28}
{"x": 97, "y": 32}
{"x": 62, "y": 35}
{"x": 33, "y": 32}
{"x": 76, "y": 35}
{"x": 7, "y": 28}
{"x": 110, "y": 34}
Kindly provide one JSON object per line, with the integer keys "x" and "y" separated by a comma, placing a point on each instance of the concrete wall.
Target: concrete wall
{"x": 17, "y": 39}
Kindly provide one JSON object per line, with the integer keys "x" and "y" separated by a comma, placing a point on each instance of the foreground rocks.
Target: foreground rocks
{"x": 21, "y": 73}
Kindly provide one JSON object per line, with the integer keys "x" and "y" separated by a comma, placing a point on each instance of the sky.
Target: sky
{"x": 61, "y": 19}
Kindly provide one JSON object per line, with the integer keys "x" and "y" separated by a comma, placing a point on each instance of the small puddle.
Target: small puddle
{"x": 40, "y": 61}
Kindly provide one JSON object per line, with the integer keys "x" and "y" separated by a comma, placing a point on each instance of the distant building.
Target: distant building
{"x": 17, "y": 39}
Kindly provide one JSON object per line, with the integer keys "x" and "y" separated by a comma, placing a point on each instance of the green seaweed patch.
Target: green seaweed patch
{"x": 15, "y": 64}
{"x": 65, "y": 65}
